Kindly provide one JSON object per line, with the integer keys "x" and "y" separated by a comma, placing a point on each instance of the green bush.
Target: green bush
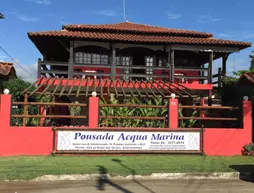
{"x": 248, "y": 149}
{"x": 188, "y": 123}
{"x": 141, "y": 112}
{"x": 131, "y": 112}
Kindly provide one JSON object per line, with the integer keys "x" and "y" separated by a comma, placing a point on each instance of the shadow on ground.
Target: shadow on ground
{"x": 103, "y": 180}
{"x": 246, "y": 172}
{"x": 133, "y": 173}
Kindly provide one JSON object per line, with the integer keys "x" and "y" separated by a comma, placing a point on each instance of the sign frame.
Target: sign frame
{"x": 107, "y": 152}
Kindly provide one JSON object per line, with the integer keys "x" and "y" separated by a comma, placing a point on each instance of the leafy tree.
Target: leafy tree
{"x": 252, "y": 62}
{"x": 251, "y": 68}
{"x": 16, "y": 86}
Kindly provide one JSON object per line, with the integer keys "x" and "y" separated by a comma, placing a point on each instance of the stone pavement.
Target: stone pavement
{"x": 130, "y": 186}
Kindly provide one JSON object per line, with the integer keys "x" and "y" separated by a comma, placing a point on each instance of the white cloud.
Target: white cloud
{"x": 174, "y": 15}
{"x": 242, "y": 36}
{"x": 225, "y": 35}
{"x": 207, "y": 18}
{"x": 3, "y": 58}
{"x": 32, "y": 69}
{"x": 247, "y": 36}
{"x": 25, "y": 18}
{"x": 106, "y": 12}
{"x": 40, "y": 2}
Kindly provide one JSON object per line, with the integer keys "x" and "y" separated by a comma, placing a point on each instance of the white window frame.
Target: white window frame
{"x": 149, "y": 61}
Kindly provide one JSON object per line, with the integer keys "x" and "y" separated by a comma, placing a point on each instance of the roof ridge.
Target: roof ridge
{"x": 136, "y": 27}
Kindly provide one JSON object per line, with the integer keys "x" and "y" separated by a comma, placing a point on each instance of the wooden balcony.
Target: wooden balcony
{"x": 193, "y": 77}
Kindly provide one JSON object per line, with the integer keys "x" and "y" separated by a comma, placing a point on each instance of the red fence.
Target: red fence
{"x": 39, "y": 140}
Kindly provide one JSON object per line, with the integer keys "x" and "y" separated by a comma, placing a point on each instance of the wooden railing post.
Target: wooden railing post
{"x": 39, "y": 68}
{"x": 202, "y": 113}
{"x": 172, "y": 65}
{"x": 25, "y": 109}
{"x": 113, "y": 62}
{"x": 173, "y": 113}
{"x": 210, "y": 68}
{"x": 71, "y": 60}
{"x": 219, "y": 77}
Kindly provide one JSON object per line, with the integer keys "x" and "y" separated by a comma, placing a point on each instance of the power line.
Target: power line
{"x": 2, "y": 17}
{"x": 15, "y": 61}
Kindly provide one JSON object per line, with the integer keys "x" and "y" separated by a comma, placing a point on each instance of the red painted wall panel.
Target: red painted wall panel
{"x": 26, "y": 141}
{"x": 22, "y": 140}
{"x": 227, "y": 142}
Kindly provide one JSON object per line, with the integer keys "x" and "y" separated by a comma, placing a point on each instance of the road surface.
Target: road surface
{"x": 152, "y": 186}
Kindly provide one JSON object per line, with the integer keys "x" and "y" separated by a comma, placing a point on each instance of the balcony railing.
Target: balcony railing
{"x": 61, "y": 69}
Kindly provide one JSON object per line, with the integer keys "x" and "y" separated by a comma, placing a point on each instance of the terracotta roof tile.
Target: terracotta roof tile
{"x": 249, "y": 76}
{"x": 134, "y": 27}
{"x": 5, "y": 68}
{"x": 147, "y": 38}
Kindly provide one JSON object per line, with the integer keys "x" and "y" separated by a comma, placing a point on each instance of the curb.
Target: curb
{"x": 154, "y": 176}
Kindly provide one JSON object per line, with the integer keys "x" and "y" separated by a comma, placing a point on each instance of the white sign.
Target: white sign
{"x": 127, "y": 141}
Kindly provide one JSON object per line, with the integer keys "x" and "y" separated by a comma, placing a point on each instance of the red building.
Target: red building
{"x": 133, "y": 52}
{"x": 127, "y": 60}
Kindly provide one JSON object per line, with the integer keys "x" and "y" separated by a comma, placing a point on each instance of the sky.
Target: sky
{"x": 226, "y": 19}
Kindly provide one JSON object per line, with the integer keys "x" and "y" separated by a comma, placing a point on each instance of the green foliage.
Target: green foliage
{"x": 130, "y": 112}
{"x": 188, "y": 123}
{"x": 75, "y": 110}
{"x": 232, "y": 92}
{"x": 240, "y": 72}
{"x": 16, "y": 86}
{"x": 141, "y": 112}
{"x": 252, "y": 61}
{"x": 251, "y": 68}
{"x": 248, "y": 149}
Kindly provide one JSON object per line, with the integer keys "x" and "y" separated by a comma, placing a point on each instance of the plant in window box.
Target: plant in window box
{"x": 75, "y": 110}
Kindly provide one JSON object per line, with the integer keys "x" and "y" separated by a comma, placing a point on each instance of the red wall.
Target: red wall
{"x": 22, "y": 140}
{"x": 26, "y": 141}
{"x": 229, "y": 141}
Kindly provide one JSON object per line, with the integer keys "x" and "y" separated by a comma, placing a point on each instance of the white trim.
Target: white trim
{"x": 207, "y": 48}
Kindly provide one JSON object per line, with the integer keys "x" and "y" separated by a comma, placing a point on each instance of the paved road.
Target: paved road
{"x": 158, "y": 186}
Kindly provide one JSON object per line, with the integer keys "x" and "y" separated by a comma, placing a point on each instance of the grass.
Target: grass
{"x": 26, "y": 167}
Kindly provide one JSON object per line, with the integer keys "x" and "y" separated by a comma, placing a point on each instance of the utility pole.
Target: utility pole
{"x": 1, "y": 16}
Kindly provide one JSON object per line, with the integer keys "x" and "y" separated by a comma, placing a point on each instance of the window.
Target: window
{"x": 90, "y": 58}
{"x": 126, "y": 61}
{"x": 87, "y": 58}
{"x": 149, "y": 71}
{"x": 160, "y": 62}
{"x": 118, "y": 61}
{"x": 96, "y": 58}
{"x": 104, "y": 59}
{"x": 79, "y": 57}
